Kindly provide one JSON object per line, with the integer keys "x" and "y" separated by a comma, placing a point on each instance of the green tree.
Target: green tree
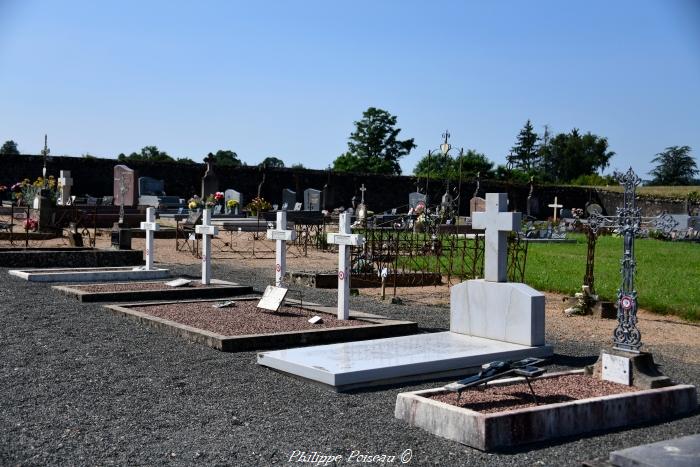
{"x": 227, "y": 158}
{"x": 9, "y": 149}
{"x": 525, "y": 155}
{"x": 675, "y": 166}
{"x": 570, "y": 155}
{"x": 298, "y": 165}
{"x": 148, "y": 153}
{"x": 185, "y": 160}
{"x": 272, "y": 162}
{"x": 444, "y": 166}
{"x": 373, "y": 147}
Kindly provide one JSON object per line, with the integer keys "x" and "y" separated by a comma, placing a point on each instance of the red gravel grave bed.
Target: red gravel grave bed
{"x": 127, "y": 287}
{"x": 552, "y": 390}
{"x": 242, "y": 319}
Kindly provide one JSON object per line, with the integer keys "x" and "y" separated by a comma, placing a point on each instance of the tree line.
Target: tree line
{"x": 374, "y": 147}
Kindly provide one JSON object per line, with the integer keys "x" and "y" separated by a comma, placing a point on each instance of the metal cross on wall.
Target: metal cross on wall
{"x": 629, "y": 223}
{"x": 45, "y": 153}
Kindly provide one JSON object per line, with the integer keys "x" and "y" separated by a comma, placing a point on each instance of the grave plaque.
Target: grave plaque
{"x": 297, "y": 206}
{"x": 415, "y": 198}
{"x": 312, "y": 200}
{"x": 272, "y": 298}
{"x": 477, "y": 204}
{"x": 149, "y": 186}
{"x": 616, "y": 369}
{"x": 179, "y": 283}
{"x": 130, "y": 194}
{"x": 289, "y": 197}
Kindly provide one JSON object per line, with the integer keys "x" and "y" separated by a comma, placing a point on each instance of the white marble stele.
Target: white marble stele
{"x": 505, "y": 311}
{"x": 89, "y": 274}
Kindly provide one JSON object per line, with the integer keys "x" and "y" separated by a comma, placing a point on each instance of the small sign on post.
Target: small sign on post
{"x": 206, "y": 230}
{"x": 150, "y": 226}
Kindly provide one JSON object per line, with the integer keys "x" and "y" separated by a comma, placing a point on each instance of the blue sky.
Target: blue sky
{"x": 288, "y": 78}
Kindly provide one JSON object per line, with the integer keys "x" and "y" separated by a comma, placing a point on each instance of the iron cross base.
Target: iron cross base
{"x": 643, "y": 372}
{"x": 499, "y": 369}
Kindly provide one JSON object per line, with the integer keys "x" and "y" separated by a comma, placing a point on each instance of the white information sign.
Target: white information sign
{"x": 272, "y": 298}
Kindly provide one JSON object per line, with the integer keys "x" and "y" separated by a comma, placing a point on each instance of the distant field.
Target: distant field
{"x": 662, "y": 191}
{"x": 668, "y": 273}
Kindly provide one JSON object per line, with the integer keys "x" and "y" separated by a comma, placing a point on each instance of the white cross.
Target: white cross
{"x": 206, "y": 230}
{"x": 497, "y": 222}
{"x": 344, "y": 239}
{"x": 281, "y": 235}
{"x": 66, "y": 182}
{"x": 363, "y": 189}
{"x": 150, "y": 226}
{"x": 555, "y": 206}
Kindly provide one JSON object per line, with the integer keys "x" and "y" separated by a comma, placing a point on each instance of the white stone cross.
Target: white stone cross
{"x": 207, "y": 231}
{"x": 555, "y": 206}
{"x": 281, "y": 235}
{"x": 498, "y": 223}
{"x": 344, "y": 239}
{"x": 150, "y": 226}
{"x": 66, "y": 182}
{"x": 363, "y": 189}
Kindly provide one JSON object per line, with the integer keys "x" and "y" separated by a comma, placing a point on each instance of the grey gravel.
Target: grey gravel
{"x": 80, "y": 386}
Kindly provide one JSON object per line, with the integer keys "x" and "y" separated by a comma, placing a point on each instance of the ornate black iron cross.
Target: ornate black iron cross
{"x": 629, "y": 223}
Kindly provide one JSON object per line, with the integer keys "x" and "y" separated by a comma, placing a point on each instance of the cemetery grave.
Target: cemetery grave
{"x": 238, "y": 325}
{"x": 157, "y": 290}
{"x": 489, "y": 320}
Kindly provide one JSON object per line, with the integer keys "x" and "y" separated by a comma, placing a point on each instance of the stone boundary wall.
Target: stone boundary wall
{"x": 94, "y": 176}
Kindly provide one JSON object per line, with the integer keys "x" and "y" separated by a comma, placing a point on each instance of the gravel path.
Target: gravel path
{"x": 80, "y": 386}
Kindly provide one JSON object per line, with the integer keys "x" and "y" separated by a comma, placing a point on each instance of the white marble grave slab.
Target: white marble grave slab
{"x": 412, "y": 357}
{"x": 506, "y": 311}
{"x": 272, "y": 298}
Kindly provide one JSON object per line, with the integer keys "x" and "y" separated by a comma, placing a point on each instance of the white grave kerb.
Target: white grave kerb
{"x": 65, "y": 182}
{"x": 497, "y": 223}
{"x": 345, "y": 239}
{"x": 281, "y": 236}
{"x": 555, "y": 206}
{"x": 206, "y": 230}
{"x": 150, "y": 226}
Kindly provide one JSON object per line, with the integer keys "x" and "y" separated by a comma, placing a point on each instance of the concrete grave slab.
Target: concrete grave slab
{"x": 502, "y": 430}
{"x": 89, "y": 274}
{"x": 372, "y": 328}
{"x": 154, "y": 291}
{"x": 383, "y": 361}
{"x": 678, "y": 452}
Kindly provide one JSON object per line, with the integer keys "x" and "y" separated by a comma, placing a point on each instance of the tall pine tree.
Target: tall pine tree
{"x": 525, "y": 155}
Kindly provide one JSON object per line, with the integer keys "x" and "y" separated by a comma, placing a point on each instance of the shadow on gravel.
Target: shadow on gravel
{"x": 572, "y": 360}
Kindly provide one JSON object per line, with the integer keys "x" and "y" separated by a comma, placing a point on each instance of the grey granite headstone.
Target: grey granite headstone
{"x": 312, "y": 200}
{"x": 678, "y": 452}
{"x": 415, "y": 198}
{"x": 289, "y": 197}
{"x": 130, "y": 195}
{"x": 149, "y": 186}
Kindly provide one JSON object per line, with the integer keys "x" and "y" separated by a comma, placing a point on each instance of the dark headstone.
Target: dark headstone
{"x": 678, "y": 452}
{"x": 130, "y": 194}
{"x": 151, "y": 187}
{"x": 121, "y": 237}
{"x": 210, "y": 182}
{"x": 312, "y": 200}
{"x": 289, "y": 197}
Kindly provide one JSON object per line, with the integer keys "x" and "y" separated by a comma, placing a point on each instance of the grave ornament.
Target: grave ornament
{"x": 345, "y": 239}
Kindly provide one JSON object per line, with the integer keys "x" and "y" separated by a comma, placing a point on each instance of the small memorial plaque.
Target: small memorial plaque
{"x": 280, "y": 235}
{"x": 272, "y": 298}
{"x": 316, "y": 320}
{"x": 179, "y": 283}
{"x": 226, "y": 304}
{"x": 345, "y": 239}
{"x": 616, "y": 369}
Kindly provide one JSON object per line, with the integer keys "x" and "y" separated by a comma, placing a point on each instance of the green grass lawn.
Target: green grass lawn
{"x": 667, "y": 280}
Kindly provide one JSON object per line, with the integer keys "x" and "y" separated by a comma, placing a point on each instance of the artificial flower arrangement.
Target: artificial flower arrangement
{"x": 232, "y": 203}
{"x": 26, "y": 189}
{"x": 194, "y": 203}
{"x": 258, "y": 204}
{"x": 31, "y": 225}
